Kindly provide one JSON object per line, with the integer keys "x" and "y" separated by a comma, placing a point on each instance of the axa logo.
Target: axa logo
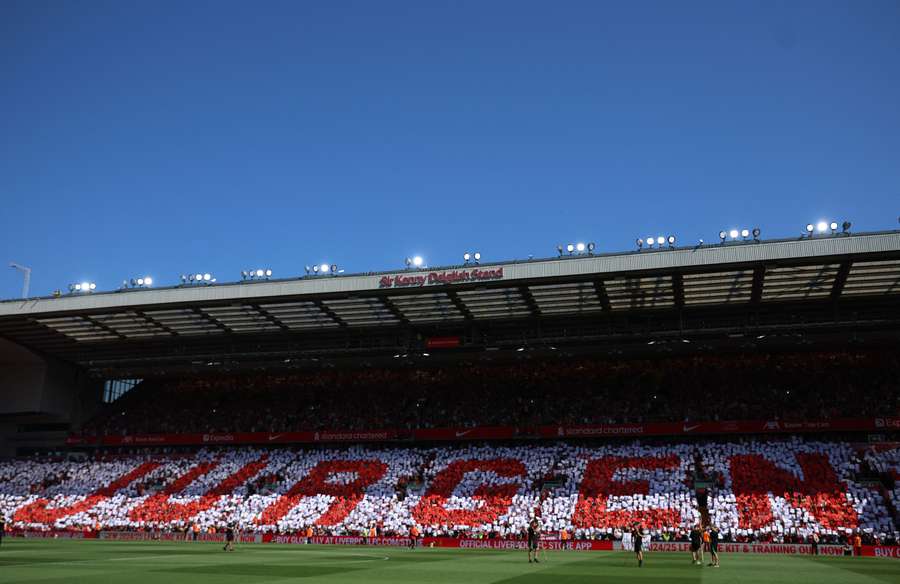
{"x": 773, "y": 425}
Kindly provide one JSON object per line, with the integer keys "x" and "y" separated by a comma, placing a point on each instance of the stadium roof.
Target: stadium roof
{"x": 737, "y": 286}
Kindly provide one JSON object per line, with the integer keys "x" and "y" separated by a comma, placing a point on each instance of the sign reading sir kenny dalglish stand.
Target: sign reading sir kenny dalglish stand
{"x": 419, "y": 279}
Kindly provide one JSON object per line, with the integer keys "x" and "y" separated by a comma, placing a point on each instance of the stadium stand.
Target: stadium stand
{"x": 780, "y": 491}
{"x": 886, "y": 462}
{"x": 760, "y": 377}
{"x": 781, "y": 386}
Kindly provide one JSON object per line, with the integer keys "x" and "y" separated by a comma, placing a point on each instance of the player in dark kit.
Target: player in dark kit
{"x": 637, "y": 538}
{"x": 714, "y": 546}
{"x": 696, "y": 545}
{"x": 229, "y": 539}
{"x": 2, "y": 529}
{"x": 534, "y": 534}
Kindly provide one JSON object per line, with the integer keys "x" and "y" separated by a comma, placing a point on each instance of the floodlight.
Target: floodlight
{"x": 559, "y": 248}
{"x": 418, "y": 261}
{"x": 148, "y": 281}
{"x": 671, "y": 240}
{"x": 756, "y": 232}
{"x": 745, "y": 233}
{"x": 639, "y": 242}
{"x": 324, "y": 268}
{"x": 821, "y": 226}
{"x": 845, "y": 227}
{"x": 660, "y": 240}
{"x": 408, "y": 262}
{"x": 722, "y": 236}
{"x": 268, "y": 272}
{"x": 207, "y": 277}
{"x": 198, "y": 277}
{"x": 580, "y": 247}
{"x": 467, "y": 256}
{"x": 140, "y": 281}
{"x": 477, "y": 256}
{"x": 650, "y": 241}
{"x": 334, "y": 268}
{"x": 570, "y": 248}
{"x": 316, "y": 269}
{"x": 733, "y": 234}
{"x": 591, "y": 247}
{"x": 809, "y": 228}
{"x": 833, "y": 226}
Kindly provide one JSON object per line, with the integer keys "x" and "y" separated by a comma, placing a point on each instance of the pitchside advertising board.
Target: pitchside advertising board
{"x": 746, "y": 548}
{"x": 462, "y": 543}
{"x": 497, "y": 433}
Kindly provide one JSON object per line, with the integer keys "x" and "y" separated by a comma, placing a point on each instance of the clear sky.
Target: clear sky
{"x": 158, "y": 137}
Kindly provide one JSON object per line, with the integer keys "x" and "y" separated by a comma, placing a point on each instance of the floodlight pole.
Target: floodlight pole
{"x": 26, "y": 273}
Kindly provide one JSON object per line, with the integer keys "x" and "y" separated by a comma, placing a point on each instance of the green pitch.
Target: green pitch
{"x": 97, "y": 562}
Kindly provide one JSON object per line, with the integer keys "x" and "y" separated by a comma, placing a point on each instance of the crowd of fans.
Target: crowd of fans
{"x": 887, "y": 463}
{"x": 803, "y": 386}
{"x": 781, "y": 491}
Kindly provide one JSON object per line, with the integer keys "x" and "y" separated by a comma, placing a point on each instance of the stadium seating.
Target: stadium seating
{"x": 792, "y": 489}
{"x": 777, "y": 490}
{"x": 887, "y": 462}
{"x": 759, "y": 387}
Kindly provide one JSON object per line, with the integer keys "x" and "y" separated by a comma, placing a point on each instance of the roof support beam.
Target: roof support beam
{"x": 210, "y": 319}
{"x": 678, "y": 290}
{"x": 270, "y": 317}
{"x": 840, "y": 279}
{"x": 459, "y": 304}
{"x": 100, "y": 325}
{"x": 600, "y": 289}
{"x": 759, "y": 277}
{"x": 528, "y": 297}
{"x": 331, "y": 314}
{"x": 389, "y": 304}
{"x": 155, "y": 322}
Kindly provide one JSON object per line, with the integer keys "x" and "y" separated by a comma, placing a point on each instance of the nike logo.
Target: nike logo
{"x": 275, "y": 436}
{"x": 689, "y": 428}
{"x": 460, "y": 434}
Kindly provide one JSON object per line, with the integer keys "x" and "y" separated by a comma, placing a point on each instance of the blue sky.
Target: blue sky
{"x": 162, "y": 137}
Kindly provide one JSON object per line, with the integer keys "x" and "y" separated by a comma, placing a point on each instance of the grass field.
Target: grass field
{"x": 97, "y": 562}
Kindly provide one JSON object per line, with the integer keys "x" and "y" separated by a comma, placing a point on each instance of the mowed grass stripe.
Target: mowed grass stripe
{"x": 99, "y": 562}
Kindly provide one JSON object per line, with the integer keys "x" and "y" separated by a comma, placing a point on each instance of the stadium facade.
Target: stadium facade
{"x": 823, "y": 291}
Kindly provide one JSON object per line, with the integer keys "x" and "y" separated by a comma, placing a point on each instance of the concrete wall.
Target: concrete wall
{"x": 21, "y": 387}
{"x": 35, "y": 389}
